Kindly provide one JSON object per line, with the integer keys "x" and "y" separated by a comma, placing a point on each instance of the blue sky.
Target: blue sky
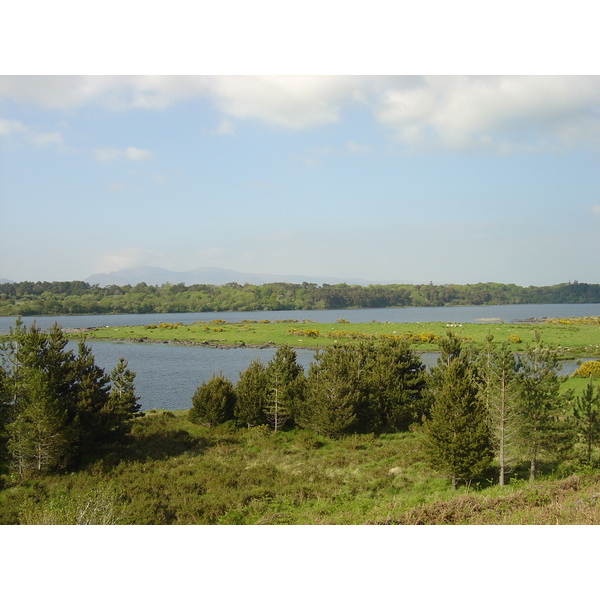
{"x": 451, "y": 179}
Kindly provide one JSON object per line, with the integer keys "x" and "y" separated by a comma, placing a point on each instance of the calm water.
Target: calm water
{"x": 167, "y": 375}
{"x": 447, "y": 314}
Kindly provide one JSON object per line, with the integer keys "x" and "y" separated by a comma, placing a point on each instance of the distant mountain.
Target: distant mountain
{"x": 209, "y": 275}
{"x": 2, "y": 280}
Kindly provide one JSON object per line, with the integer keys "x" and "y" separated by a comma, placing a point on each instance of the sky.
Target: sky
{"x": 386, "y": 178}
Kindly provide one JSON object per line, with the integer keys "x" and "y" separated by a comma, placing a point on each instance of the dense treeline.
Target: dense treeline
{"x": 78, "y": 297}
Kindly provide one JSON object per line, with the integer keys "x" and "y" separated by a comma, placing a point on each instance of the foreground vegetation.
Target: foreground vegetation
{"x": 175, "y": 472}
{"x": 78, "y": 297}
{"x": 573, "y": 337}
{"x": 366, "y": 436}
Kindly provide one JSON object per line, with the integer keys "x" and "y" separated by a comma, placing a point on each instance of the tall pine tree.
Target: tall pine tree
{"x": 457, "y": 436}
{"x": 496, "y": 377}
{"x": 543, "y": 424}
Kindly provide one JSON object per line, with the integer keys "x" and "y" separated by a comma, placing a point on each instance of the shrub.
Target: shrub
{"x": 213, "y": 402}
{"x": 590, "y": 368}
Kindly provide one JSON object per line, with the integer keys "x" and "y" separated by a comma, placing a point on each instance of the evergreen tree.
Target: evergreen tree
{"x": 586, "y": 410}
{"x": 332, "y": 391}
{"x": 251, "y": 392}
{"x": 91, "y": 399}
{"x": 285, "y": 380}
{"x": 39, "y": 436}
{"x": 392, "y": 384}
{"x": 543, "y": 424}
{"x": 122, "y": 405}
{"x": 213, "y": 402}
{"x": 55, "y": 400}
{"x": 496, "y": 377}
{"x": 457, "y": 436}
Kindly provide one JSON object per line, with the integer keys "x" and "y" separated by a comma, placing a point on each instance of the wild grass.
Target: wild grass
{"x": 175, "y": 472}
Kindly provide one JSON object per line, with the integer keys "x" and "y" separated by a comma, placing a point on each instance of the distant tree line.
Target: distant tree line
{"x": 78, "y": 297}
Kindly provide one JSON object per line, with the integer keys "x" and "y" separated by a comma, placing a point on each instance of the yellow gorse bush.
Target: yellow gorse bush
{"x": 590, "y": 368}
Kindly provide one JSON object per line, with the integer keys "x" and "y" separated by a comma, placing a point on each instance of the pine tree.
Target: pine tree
{"x": 332, "y": 391}
{"x": 586, "y": 410}
{"x": 543, "y": 425}
{"x": 285, "y": 380}
{"x": 392, "y": 385}
{"x": 496, "y": 370}
{"x": 122, "y": 405}
{"x": 39, "y": 435}
{"x": 457, "y": 436}
{"x": 213, "y": 402}
{"x": 91, "y": 396}
{"x": 251, "y": 393}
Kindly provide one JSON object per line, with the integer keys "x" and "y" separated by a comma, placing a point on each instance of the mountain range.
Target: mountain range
{"x": 206, "y": 275}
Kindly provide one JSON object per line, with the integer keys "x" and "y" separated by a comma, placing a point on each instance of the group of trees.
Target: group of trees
{"x": 78, "y": 297}
{"x": 354, "y": 388}
{"x": 57, "y": 406}
{"x": 476, "y": 405}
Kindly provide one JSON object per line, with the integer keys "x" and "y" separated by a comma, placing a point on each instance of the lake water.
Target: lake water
{"x": 167, "y": 375}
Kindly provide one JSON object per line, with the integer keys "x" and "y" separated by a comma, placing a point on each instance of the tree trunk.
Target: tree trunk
{"x": 533, "y": 465}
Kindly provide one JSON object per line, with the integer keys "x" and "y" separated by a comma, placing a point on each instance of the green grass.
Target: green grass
{"x": 576, "y": 338}
{"x": 175, "y": 472}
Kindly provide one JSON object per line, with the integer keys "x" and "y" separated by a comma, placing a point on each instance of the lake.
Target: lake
{"x": 167, "y": 375}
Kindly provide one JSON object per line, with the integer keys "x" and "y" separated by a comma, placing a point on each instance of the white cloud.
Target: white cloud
{"x": 107, "y": 154}
{"x": 500, "y": 114}
{"x": 131, "y": 153}
{"x": 53, "y": 138}
{"x": 7, "y": 126}
{"x": 225, "y": 127}
{"x": 490, "y": 113}
{"x": 596, "y": 209}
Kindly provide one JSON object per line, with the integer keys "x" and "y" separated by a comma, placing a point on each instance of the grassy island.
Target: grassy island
{"x": 574, "y": 337}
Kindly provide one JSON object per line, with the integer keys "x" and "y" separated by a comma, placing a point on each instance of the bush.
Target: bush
{"x": 590, "y": 368}
{"x": 213, "y": 402}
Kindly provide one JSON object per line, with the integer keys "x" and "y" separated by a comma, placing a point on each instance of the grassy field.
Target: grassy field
{"x": 174, "y": 472}
{"x": 574, "y": 337}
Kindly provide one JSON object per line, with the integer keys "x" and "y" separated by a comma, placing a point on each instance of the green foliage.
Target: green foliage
{"x": 77, "y": 297}
{"x": 122, "y": 405}
{"x": 332, "y": 391}
{"x": 175, "y": 472}
{"x": 213, "y": 402}
{"x": 458, "y": 440}
{"x": 285, "y": 382}
{"x": 543, "y": 425}
{"x": 586, "y": 410}
{"x": 251, "y": 393}
{"x": 392, "y": 387}
{"x": 496, "y": 372}
{"x": 55, "y": 403}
